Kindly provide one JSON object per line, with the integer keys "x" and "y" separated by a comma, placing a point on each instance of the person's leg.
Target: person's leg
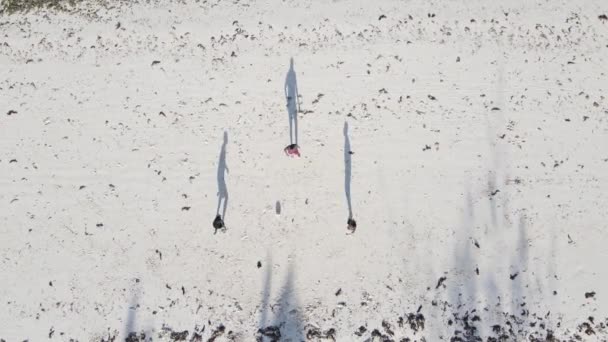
{"x": 295, "y": 123}
{"x": 292, "y": 111}
{"x": 225, "y": 206}
{"x": 290, "y": 129}
{"x": 219, "y": 202}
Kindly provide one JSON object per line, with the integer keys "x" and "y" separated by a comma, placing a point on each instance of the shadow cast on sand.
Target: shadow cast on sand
{"x": 286, "y": 324}
{"x": 222, "y": 189}
{"x": 351, "y": 223}
{"x": 347, "y": 170}
{"x": 129, "y": 332}
{"x": 480, "y": 305}
{"x": 291, "y": 99}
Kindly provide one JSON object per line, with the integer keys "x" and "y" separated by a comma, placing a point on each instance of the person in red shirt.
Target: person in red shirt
{"x": 292, "y": 150}
{"x": 351, "y": 225}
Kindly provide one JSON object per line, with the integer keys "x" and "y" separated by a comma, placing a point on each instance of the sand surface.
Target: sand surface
{"x": 478, "y": 176}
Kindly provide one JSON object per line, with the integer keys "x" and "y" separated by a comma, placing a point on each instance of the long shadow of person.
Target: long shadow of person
{"x": 293, "y": 107}
{"x": 222, "y": 189}
{"x": 286, "y": 325}
{"x": 352, "y": 224}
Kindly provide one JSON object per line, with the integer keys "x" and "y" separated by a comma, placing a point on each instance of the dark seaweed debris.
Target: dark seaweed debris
{"x": 272, "y": 332}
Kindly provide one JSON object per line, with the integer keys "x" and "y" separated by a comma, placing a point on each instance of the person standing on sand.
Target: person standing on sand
{"x": 351, "y": 223}
{"x": 222, "y": 189}
{"x": 293, "y": 107}
{"x": 292, "y": 150}
{"x": 218, "y": 223}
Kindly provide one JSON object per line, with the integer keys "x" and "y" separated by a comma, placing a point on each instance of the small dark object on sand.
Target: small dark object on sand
{"x": 272, "y": 332}
{"x": 218, "y": 223}
{"x": 440, "y": 282}
{"x": 179, "y": 336}
{"x": 352, "y": 225}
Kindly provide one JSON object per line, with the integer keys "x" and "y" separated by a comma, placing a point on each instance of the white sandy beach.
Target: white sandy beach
{"x": 479, "y": 179}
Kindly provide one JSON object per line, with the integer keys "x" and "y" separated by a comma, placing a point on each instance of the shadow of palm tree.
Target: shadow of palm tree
{"x": 288, "y": 315}
{"x": 266, "y": 293}
{"x": 286, "y": 325}
{"x": 463, "y": 296}
{"x": 130, "y": 323}
{"x": 476, "y": 304}
{"x": 464, "y": 258}
{"x": 130, "y": 335}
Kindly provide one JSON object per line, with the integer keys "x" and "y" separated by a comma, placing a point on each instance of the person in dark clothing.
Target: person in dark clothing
{"x": 218, "y": 223}
{"x": 352, "y": 225}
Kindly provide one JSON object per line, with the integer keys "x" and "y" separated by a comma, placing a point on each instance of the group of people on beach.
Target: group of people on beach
{"x": 291, "y": 150}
